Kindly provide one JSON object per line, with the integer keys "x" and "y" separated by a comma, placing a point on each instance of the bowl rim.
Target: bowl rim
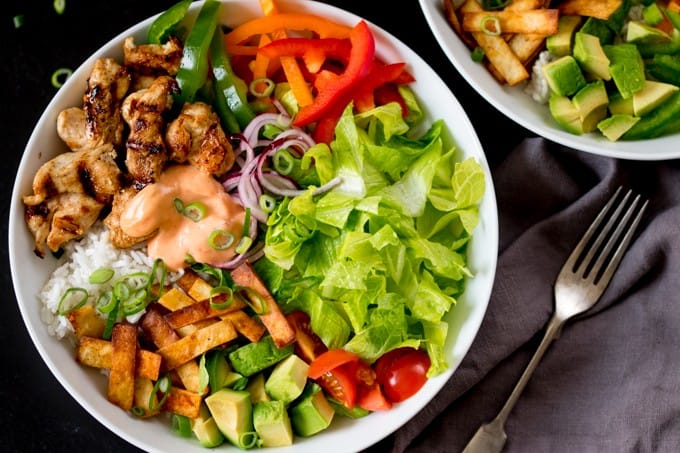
{"x": 113, "y": 421}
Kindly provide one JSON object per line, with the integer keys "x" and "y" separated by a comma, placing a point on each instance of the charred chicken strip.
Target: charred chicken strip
{"x": 116, "y": 235}
{"x": 153, "y": 59}
{"x": 143, "y": 111}
{"x": 196, "y": 136}
{"x": 69, "y": 193}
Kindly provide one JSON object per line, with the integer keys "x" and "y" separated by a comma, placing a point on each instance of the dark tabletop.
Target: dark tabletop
{"x": 37, "y": 414}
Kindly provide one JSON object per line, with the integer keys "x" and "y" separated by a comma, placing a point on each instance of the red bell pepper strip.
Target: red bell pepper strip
{"x": 379, "y": 75}
{"x": 389, "y": 93}
{"x": 360, "y": 61}
{"x": 313, "y": 51}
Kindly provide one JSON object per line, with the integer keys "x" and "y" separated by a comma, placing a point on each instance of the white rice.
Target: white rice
{"x": 80, "y": 259}
{"x": 538, "y": 87}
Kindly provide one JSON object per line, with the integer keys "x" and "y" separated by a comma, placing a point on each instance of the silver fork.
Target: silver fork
{"x": 579, "y": 285}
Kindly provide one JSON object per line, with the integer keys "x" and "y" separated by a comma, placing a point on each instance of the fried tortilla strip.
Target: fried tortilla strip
{"x": 535, "y": 22}
{"x": 525, "y": 5}
{"x": 600, "y": 9}
{"x": 183, "y": 402}
{"x": 86, "y": 322}
{"x": 144, "y": 394}
{"x": 187, "y": 280}
{"x": 191, "y": 328}
{"x": 162, "y": 334}
{"x": 273, "y": 319}
{"x": 121, "y": 389}
{"x": 191, "y": 346}
{"x": 674, "y": 5}
{"x": 246, "y": 326}
{"x": 452, "y": 17}
{"x": 174, "y": 299}
{"x": 202, "y": 310}
{"x": 98, "y": 353}
{"x": 526, "y": 47}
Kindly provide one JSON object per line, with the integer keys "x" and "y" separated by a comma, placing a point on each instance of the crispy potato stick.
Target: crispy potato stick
{"x": 121, "y": 390}
{"x": 202, "y": 310}
{"x": 600, "y": 9}
{"x": 273, "y": 319}
{"x": 526, "y": 47}
{"x": 183, "y": 402}
{"x": 98, "y": 353}
{"x": 246, "y": 326}
{"x": 160, "y": 332}
{"x": 174, "y": 299}
{"x": 144, "y": 394}
{"x": 536, "y": 22}
{"x": 452, "y": 18}
{"x": 86, "y": 322}
{"x": 191, "y": 346}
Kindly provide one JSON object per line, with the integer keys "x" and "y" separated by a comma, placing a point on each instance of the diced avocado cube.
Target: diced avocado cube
{"x": 589, "y": 54}
{"x": 233, "y": 414}
{"x": 652, "y": 14}
{"x": 591, "y": 102}
{"x": 560, "y": 43}
{"x": 663, "y": 120}
{"x": 620, "y": 106}
{"x": 255, "y": 357}
{"x": 616, "y": 125}
{"x": 287, "y": 380}
{"x": 311, "y": 413}
{"x": 619, "y": 17}
{"x": 205, "y": 429}
{"x": 626, "y": 67}
{"x": 672, "y": 47}
{"x": 566, "y": 115}
{"x": 564, "y": 76}
{"x": 272, "y": 424}
{"x": 599, "y": 28}
{"x": 642, "y": 33}
{"x": 673, "y": 18}
{"x": 651, "y": 96}
{"x": 344, "y": 411}
{"x": 256, "y": 389}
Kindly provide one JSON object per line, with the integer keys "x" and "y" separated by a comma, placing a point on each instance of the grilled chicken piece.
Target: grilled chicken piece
{"x": 153, "y": 59}
{"x": 99, "y": 120}
{"x": 196, "y": 136}
{"x": 69, "y": 193}
{"x": 116, "y": 235}
{"x": 143, "y": 111}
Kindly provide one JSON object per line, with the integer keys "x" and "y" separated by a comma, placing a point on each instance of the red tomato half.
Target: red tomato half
{"x": 402, "y": 372}
{"x": 340, "y": 385}
{"x": 372, "y": 398}
{"x": 307, "y": 344}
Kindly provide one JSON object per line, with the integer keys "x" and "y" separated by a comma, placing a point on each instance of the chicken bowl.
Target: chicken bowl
{"x": 137, "y": 317}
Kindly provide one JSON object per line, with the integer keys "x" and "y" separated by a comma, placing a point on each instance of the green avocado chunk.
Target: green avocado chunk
{"x": 233, "y": 414}
{"x": 598, "y": 27}
{"x": 620, "y": 106}
{"x": 560, "y": 43}
{"x": 665, "y": 119}
{"x": 589, "y": 54}
{"x": 564, "y": 76}
{"x": 616, "y": 125}
{"x": 312, "y": 412}
{"x": 591, "y": 102}
{"x": 255, "y": 357}
{"x": 566, "y": 115}
{"x": 272, "y": 423}
{"x": 205, "y": 429}
{"x": 651, "y": 96}
{"x": 287, "y": 380}
{"x": 626, "y": 67}
{"x": 642, "y": 33}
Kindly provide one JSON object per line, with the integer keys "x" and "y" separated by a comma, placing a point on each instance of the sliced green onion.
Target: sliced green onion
{"x": 163, "y": 385}
{"x": 158, "y": 263}
{"x": 101, "y": 275}
{"x": 105, "y": 302}
{"x": 477, "y": 54}
{"x": 248, "y": 440}
{"x": 60, "y": 76}
{"x": 491, "y": 26}
{"x": 203, "y": 376}
{"x": 72, "y": 299}
{"x": 268, "y": 89}
{"x": 18, "y": 20}
{"x": 178, "y": 204}
{"x": 283, "y": 162}
{"x": 220, "y": 239}
{"x": 136, "y": 280}
{"x": 491, "y": 5}
{"x": 111, "y": 320}
{"x": 190, "y": 260}
{"x": 251, "y": 297}
{"x": 246, "y": 223}
{"x": 136, "y": 302}
{"x": 195, "y": 211}
{"x": 219, "y": 290}
{"x": 270, "y": 131}
{"x": 243, "y": 245}
{"x": 267, "y": 203}
{"x": 59, "y": 6}
{"x": 121, "y": 290}
{"x": 240, "y": 383}
{"x": 181, "y": 424}
{"x": 138, "y": 411}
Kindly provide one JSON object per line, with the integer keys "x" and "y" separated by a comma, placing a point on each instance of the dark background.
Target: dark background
{"x": 36, "y": 413}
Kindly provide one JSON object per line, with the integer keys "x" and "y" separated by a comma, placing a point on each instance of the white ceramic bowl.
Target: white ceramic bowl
{"x": 88, "y": 386}
{"x": 514, "y": 103}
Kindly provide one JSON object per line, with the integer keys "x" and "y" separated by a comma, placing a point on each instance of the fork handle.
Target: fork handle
{"x": 552, "y": 331}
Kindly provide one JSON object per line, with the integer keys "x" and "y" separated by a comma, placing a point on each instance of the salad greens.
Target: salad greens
{"x": 380, "y": 260}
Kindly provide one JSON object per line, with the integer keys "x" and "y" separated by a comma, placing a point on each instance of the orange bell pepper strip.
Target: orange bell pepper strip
{"x": 335, "y": 91}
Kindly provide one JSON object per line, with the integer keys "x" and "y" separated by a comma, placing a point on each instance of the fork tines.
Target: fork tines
{"x": 599, "y": 252}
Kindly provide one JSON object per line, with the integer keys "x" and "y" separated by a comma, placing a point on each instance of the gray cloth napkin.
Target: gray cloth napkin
{"x": 611, "y": 382}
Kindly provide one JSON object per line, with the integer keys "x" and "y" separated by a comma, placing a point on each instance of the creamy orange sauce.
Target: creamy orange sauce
{"x": 153, "y": 209}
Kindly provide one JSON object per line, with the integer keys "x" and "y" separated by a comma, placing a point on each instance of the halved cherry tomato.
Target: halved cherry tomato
{"x": 308, "y": 345}
{"x": 340, "y": 385}
{"x": 372, "y": 398}
{"x": 402, "y": 372}
{"x": 330, "y": 360}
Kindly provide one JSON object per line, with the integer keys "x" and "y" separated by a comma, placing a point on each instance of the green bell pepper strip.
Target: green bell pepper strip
{"x": 193, "y": 68}
{"x": 230, "y": 90}
{"x": 663, "y": 120}
{"x": 165, "y": 24}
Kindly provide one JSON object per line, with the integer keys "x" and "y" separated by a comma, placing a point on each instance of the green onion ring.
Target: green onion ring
{"x": 138, "y": 411}
{"x": 111, "y": 320}
{"x": 268, "y": 89}
{"x": 267, "y": 203}
{"x": 195, "y": 211}
{"x": 246, "y": 223}
{"x": 136, "y": 302}
{"x": 153, "y": 275}
{"x": 283, "y": 162}
{"x": 477, "y": 54}
{"x": 163, "y": 385}
{"x": 181, "y": 424}
{"x": 121, "y": 290}
{"x": 250, "y": 297}
{"x": 220, "y": 239}
{"x": 60, "y": 73}
{"x": 59, "y": 6}
{"x": 216, "y": 291}
{"x": 18, "y": 20}
{"x": 105, "y": 302}
{"x": 178, "y": 204}
{"x": 65, "y": 307}
{"x": 496, "y": 25}
{"x": 243, "y": 245}
{"x": 101, "y": 276}
{"x": 248, "y": 440}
